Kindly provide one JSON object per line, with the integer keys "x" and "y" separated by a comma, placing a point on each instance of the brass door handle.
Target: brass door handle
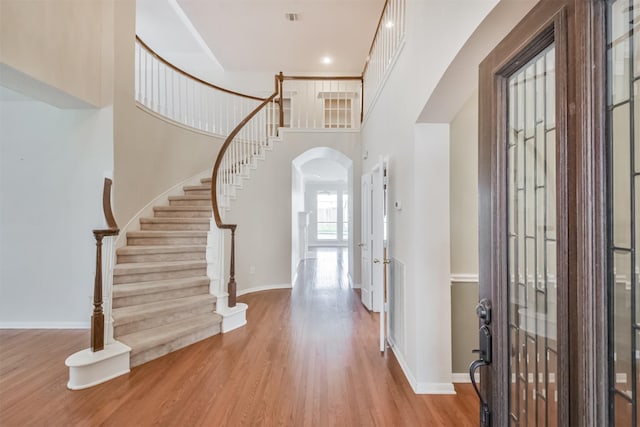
{"x": 376, "y": 260}
{"x": 387, "y": 261}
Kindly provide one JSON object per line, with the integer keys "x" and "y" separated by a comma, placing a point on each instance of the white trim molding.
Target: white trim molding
{"x": 464, "y": 278}
{"x": 87, "y": 368}
{"x": 233, "y": 317}
{"x": 417, "y": 386}
{"x": 263, "y": 288}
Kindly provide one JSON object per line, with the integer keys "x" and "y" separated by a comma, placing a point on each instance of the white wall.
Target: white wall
{"x": 297, "y": 206}
{"x": 436, "y": 31}
{"x": 263, "y": 209}
{"x": 52, "y": 166}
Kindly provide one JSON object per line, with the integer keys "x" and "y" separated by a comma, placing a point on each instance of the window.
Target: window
{"x": 345, "y": 216}
{"x": 327, "y": 211}
{"x": 331, "y": 216}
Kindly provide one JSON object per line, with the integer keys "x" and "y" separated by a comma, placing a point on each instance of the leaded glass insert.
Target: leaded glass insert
{"x": 531, "y": 193}
{"x": 623, "y": 82}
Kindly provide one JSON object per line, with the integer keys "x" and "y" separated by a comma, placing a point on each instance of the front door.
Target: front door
{"x": 540, "y": 363}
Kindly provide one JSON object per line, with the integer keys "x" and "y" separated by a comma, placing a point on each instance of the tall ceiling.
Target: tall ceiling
{"x": 255, "y": 36}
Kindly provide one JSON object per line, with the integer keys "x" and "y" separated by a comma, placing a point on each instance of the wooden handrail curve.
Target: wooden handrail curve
{"x": 191, "y": 76}
{"x": 97, "y": 317}
{"x": 231, "y": 286}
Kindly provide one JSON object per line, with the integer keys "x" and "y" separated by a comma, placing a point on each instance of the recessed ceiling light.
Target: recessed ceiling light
{"x": 326, "y": 60}
{"x": 389, "y": 24}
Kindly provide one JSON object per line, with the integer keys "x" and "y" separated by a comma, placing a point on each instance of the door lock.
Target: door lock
{"x": 385, "y": 261}
{"x": 483, "y": 310}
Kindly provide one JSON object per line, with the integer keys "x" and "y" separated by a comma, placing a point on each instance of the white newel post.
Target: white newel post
{"x": 232, "y": 318}
{"x": 215, "y": 266}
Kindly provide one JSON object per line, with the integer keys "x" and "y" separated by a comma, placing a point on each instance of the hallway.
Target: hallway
{"x": 308, "y": 357}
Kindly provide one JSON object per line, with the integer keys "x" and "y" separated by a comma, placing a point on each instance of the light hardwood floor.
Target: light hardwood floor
{"x": 308, "y": 357}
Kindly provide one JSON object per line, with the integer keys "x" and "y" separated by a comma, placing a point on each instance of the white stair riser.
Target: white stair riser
{"x": 159, "y": 275}
{"x": 174, "y": 226}
{"x": 168, "y": 316}
{"x": 158, "y": 296}
{"x": 165, "y": 241}
{"x": 166, "y": 348}
{"x": 178, "y": 256}
{"x": 190, "y": 202}
{"x": 183, "y": 214}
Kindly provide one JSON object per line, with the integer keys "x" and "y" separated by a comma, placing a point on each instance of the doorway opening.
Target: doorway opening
{"x": 321, "y": 206}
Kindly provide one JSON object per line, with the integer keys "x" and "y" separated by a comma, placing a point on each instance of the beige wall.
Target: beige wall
{"x": 262, "y": 209}
{"x": 150, "y": 155}
{"x": 464, "y": 325}
{"x": 464, "y": 189}
{"x": 464, "y": 234}
{"x": 60, "y": 43}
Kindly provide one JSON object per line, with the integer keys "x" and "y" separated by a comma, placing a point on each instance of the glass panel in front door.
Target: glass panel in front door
{"x": 531, "y": 193}
{"x": 623, "y": 55}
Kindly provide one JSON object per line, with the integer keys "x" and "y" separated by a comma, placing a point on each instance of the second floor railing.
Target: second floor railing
{"x": 321, "y": 102}
{"x": 385, "y": 47}
{"x": 181, "y": 97}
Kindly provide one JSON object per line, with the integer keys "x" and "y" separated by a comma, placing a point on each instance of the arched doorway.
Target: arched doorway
{"x": 321, "y": 203}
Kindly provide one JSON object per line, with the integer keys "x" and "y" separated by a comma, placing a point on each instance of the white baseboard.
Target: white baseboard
{"x": 420, "y": 387}
{"x": 352, "y": 284}
{"x": 45, "y": 325}
{"x": 463, "y": 377}
{"x": 263, "y": 288}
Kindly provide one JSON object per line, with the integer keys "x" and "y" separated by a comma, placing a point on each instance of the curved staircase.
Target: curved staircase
{"x": 161, "y": 299}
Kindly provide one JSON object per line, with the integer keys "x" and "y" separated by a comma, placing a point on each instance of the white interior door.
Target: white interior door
{"x": 365, "y": 244}
{"x": 377, "y": 247}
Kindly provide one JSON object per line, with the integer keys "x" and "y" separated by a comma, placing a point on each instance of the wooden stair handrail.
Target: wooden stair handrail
{"x": 191, "y": 76}
{"x": 97, "y": 317}
{"x": 231, "y": 286}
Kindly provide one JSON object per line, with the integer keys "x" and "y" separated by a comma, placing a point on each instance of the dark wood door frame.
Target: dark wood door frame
{"x": 578, "y": 29}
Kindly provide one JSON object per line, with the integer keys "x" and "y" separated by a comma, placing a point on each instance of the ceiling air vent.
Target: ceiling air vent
{"x": 292, "y": 17}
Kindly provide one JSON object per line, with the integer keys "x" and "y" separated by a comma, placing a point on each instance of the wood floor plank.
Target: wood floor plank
{"x": 308, "y": 357}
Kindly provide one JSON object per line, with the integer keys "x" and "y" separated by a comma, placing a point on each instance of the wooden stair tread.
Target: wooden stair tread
{"x": 149, "y": 338}
{"x": 159, "y": 249}
{"x": 167, "y": 233}
{"x": 135, "y": 313}
{"x": 197, "y": 187}
{"x": 174, "y": 220}
{"x": 182, "y": 208}
{"x": 142, "y": 267}
{"x": 191, "y": 197}
{"x": 144, "y": 288}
